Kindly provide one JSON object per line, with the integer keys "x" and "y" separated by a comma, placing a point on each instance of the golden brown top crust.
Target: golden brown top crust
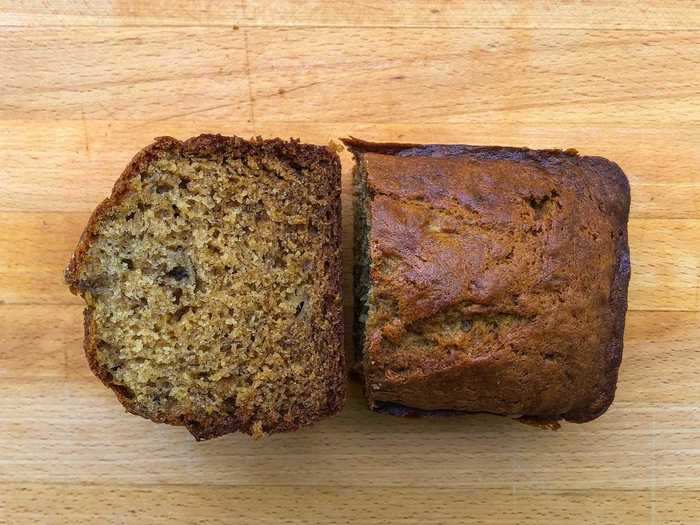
{"x": 499, "y": 279}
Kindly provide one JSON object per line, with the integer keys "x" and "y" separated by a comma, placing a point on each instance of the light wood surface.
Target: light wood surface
{"x": 87, "y": 84}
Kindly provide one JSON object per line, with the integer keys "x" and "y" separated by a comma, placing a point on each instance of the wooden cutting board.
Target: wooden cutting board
{"x": 87, "y": 84}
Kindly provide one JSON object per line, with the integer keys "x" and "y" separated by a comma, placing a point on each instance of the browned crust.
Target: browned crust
{"x": 300, "y": 156}
{"x": 617, "y": 183}
{"x": 612, "y": 179}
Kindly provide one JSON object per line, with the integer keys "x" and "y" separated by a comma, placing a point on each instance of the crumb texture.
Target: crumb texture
{"x": 212, "y": 287}
{"x": 494, "y": 280}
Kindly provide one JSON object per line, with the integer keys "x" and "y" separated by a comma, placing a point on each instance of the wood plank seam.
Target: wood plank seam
{"x": 242, "y": 25}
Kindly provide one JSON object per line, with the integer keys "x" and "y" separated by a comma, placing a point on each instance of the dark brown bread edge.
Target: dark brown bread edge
{"x": 618, "y": 296}
{"x": 300, "y": 156}
{"x": 618, "y": 299}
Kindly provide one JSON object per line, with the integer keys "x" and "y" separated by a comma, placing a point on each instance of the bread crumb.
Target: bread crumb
{"x": 211, "y": 286}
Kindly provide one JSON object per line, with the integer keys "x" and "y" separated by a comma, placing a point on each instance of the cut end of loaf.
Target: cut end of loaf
{"x": 212, "y": 287}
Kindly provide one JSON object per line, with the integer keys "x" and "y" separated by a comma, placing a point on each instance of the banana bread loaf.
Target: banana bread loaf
{"x": 489, "y": 279}
{"x": 211, "y": 279}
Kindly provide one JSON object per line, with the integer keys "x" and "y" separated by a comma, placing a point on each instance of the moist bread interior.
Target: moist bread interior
{"x": 201, "y": 287}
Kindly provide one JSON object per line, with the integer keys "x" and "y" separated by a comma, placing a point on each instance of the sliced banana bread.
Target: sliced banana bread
{"x": 211, "y": 278}
{"x": 489, "y": 279}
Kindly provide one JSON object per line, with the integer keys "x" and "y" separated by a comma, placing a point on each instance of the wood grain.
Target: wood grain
{"x": 224, "y": 505}
{"x": 87, "y": 84}
{"x": 608, "y": 14}
{"x": 83, "y": 439}
{"x": 382, "y": 74}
